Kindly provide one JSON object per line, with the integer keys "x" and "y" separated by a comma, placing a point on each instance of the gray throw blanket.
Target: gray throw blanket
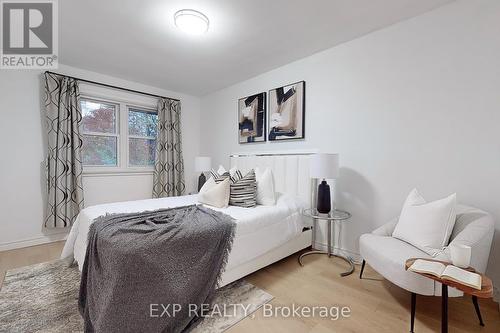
{"x": 138, "y": 264}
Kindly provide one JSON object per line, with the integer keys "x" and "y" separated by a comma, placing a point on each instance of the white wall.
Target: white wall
{"x": 23, "y": 147}
{"x": 414, "y": 105}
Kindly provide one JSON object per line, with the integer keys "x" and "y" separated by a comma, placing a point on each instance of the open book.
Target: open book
{"x": 450, "y": 272}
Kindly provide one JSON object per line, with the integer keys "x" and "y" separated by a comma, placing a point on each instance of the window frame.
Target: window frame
{"x": 122, "y": 134}
{"x": 148, "y": 110}
{"x": 116, "y": 134}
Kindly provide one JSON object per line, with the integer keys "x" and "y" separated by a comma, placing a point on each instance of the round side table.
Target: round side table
{"x": 331, "y": 218}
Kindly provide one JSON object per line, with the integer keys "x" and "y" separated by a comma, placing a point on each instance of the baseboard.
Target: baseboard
{"x": 356, "y": 257}
{"x": 33, "y": 241}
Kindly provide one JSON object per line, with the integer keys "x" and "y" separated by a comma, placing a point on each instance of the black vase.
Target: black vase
{"x": 324, "y": 204}
{"x": 201, "y": 180}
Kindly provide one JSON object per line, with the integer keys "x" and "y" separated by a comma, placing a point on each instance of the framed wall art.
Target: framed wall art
{"x": 252, "y": 118}
{"x": 287, "y": 112}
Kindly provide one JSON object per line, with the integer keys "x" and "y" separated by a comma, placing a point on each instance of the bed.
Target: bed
{"x": 264, "y": 234}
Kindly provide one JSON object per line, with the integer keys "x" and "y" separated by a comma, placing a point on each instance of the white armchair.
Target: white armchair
{"x": 387, "y": 255}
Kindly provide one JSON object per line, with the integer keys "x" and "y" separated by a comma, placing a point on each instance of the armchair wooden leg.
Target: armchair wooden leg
{"x": 478, "y": 311}
{"x": 444, "y": 308}
{"x": 413, "y": 307}
{"x": 362, "y": 269}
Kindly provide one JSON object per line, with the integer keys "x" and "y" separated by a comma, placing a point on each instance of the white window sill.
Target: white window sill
{"x": 117, "y": 172}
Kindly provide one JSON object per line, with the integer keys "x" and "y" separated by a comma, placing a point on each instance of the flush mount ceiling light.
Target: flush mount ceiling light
{"x": 191, "y": 21}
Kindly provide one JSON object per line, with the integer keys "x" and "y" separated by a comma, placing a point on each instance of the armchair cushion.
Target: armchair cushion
{"x": 387, "y": 255}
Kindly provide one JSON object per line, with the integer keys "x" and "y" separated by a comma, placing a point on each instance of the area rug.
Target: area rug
{"x": 44, "y": 298}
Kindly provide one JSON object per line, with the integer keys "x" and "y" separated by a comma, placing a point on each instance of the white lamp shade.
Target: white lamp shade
{"x": 324, "y": 166}
{"x": 202, "y": 164}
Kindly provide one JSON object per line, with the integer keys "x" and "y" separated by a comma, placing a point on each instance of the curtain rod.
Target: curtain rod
{"x": 113, "y": 87}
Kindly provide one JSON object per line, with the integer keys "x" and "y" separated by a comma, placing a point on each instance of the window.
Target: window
{"x": 100, "y": 135}
{"x": 142, "y": 137}
{"x": 117, "y": 137}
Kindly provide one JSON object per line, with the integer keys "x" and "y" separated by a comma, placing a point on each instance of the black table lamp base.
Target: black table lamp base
{"x": 324, "y": 203}
{"x": 201, "y": 180}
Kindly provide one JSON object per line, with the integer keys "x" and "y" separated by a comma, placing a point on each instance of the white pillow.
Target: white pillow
{"x": 426, "y": 226}
{"x": 265, "y": 187}
{"x": 214, "y": 194}
{"x": 221, "y": 170}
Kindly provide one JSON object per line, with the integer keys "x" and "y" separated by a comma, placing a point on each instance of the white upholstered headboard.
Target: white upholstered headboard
{"x": 290, "y": 170}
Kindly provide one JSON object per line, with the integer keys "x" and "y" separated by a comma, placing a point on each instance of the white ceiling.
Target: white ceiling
{"x": 136, "y": 40}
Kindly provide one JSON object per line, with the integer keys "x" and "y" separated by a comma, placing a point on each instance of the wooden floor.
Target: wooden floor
{"x": 376, "y": 305}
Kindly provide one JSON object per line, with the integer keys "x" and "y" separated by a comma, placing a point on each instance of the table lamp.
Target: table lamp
{"x": 202, "y": 164}
{"x": 324, "y": 166}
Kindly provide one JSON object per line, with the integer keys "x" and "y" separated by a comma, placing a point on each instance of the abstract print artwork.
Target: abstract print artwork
{"x": 252, "y": 118}
{"x": 287, "y": 112}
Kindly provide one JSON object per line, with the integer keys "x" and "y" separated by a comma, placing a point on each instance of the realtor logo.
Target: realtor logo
{"x": 29, "y": 34}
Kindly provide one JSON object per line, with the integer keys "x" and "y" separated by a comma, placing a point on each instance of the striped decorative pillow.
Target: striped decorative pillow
{"x": 237, "y": 175}
{"x": 243, "y": 190}
{"x": 218, "y": 177}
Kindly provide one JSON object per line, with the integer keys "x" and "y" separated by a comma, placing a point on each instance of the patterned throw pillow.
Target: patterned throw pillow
{"x": 243, "y": 190}
{"x": 218, "y": 177}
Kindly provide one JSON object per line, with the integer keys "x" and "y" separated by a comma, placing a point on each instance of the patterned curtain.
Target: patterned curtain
{"x": 64, "y": 162}
{"x": 169, "y": 164}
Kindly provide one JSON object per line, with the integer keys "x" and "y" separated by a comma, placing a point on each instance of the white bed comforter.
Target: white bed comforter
{"x": 258, "y": 229}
